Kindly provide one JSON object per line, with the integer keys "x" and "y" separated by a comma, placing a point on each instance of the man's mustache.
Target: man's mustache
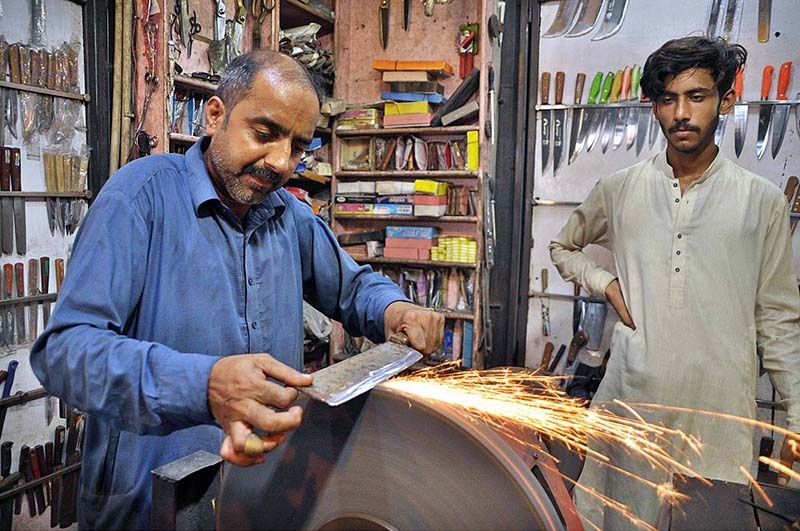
{"x": 684, "y": 127}
{"x": 263, "y": 173}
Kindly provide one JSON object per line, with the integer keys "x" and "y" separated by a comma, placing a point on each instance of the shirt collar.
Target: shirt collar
{"x": 663, "y": 166}
{"x": 202, "y": 189}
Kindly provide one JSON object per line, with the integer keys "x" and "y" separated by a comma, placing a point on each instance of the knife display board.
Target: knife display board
{"x": 646, "y": 26}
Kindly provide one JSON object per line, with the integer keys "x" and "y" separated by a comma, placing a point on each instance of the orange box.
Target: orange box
{"x": 425, "y": 199}
{"x": 384, "y": 64}
{"x": 408, "y": 254}
{"x": 410, "y": 243}
{"x": 437, "y": 68}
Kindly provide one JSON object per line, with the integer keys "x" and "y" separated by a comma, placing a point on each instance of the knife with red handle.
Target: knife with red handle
{"x": 19, "y": 275}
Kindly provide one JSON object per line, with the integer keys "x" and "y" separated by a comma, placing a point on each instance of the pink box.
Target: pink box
{"x": 410, "y": 243}
{"x": 409, "y": 254}
{"x": 435, "y": 200}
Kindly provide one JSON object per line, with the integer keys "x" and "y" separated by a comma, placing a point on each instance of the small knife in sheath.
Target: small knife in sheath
{"x": 18, "y": 203}
{"x": 33, "y": 290}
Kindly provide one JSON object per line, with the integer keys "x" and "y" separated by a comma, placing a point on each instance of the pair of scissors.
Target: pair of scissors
{"x": 194, "y": 29}
{"x": 259, "y": 10}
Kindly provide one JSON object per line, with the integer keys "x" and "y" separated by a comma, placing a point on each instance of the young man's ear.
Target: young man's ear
{"x": 727, "y": 102}
{"x": 215, "y": 115}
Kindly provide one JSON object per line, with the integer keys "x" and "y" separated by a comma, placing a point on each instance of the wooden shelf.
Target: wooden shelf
{"x": 45, "y": 91}
{"x": 295, "y": 13}
{"x": 180, "y": 138}
{"x": 323, "y": 131}
{"x": 416, "y": 263}
{"x": 454, "y": 314}
{"x": 394, "y": 131}
{"x": 86, "y": 194}
{"x": 194, "y": 84}
{"x": 415, "y": 174}
{"x": 411, "y": 219}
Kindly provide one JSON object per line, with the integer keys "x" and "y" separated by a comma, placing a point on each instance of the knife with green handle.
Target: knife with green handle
{"x": 634, "y": 112}
{"x": 597, "y": 115}
{"x": 608, "y": 120}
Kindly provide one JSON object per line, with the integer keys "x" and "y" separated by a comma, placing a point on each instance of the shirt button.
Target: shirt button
{"x": 254, "y": 325}
{"x": 677, "y": 200}
{"x": 680, "y": 236}
{"x": 677, "y": 270}
{"x": 678, "y": 253}
{"x": 250, "y": 281}
{"x": 674, "y": 185}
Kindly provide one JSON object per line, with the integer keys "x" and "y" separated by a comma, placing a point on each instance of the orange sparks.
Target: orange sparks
{"x": 757, "y": 487}
{"x": 780, "y": 467}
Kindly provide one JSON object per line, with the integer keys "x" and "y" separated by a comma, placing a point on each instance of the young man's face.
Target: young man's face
{"x": 257, "y": 145}
{"x": 689, "y": 110}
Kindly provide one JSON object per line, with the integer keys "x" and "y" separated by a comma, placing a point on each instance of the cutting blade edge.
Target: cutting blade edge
{"x": 565, "y": 18}
{"x": 740, "y": 119}
{"x": 631, "y": 127}
{"x": 559, "y": 124}
{"x": 587, "y": 18}
{"x": 780, "y": 117}
{"x": 612, "y": 20}
{"x": 764, "y": 122}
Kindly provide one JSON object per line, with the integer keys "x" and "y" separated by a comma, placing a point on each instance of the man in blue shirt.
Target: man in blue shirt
{"x": 186, "y": 272}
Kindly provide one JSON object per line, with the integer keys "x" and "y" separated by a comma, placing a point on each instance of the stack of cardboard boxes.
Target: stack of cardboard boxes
{"x": 410, "y": 243}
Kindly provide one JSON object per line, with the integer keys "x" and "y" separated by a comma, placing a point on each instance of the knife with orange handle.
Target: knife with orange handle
{"x": 7, "y": 312}
{"x": 780, "y": 112}
{"x": 765, "y": 113}
{"x": 44, "y": 269}
{"x": 19, "y": 275}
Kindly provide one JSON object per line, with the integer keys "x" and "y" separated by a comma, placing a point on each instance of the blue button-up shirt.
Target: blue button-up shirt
{"x": 163, "y": 281}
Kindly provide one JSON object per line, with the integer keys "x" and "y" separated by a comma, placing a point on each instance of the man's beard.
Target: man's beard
{"x": 235, "y": 186}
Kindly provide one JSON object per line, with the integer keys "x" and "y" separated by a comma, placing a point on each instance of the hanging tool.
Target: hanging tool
{"x": 598, "y": 114}
{"x": 732, "y": 22}
{"x": 259, "y": 9}
{"x": 780, "y": 112}
{"x": 8, "y": 294}
{"x": 612, "y": 19}
{"x": 18, "y": 203}
{"x": 547, "y": 119}
{"x": 182, "y": 7}
{"x": 654, "y": 129}
{"x": 7, "y": 505}
{"x": 559, "y": 125}
{"x": 633, "y": 112}
{"x": 790, "y": 189}
{"x": 27, "y": 470}
{"x": 492, "y": 106}
{"x": 545, "y": 304}
{"x": 586, "y": 19}
{"x": 406, "y": 13}
{"x": 622, "y": 113}
{"x": 764, "y": 13}
{"x": 467, "y": 48}
{"x": 19, "y": 276}
{"x": 575, "y": 131}
{"x": 587, "y": 116}
{"x": 795, "y": 209}
{"x": 33, "y": 290}
{"x": 644, "y": 121}
{"x": 220, "y": 18}
{"x": 722, "y": 119}
{"x": 740, "y": 111}
{"x": 565, "y": 18}
{"x": 44, "y": 269}
{"x": 608, "y": 119}
{"x": 560, "y": 354}
{"x": 9, "y": 382}
{"x": 238, "y": 28}
{"x": 713, "y": 18}
{"x": 59, "y": 263}
{"x": 546, "y": 356}
{"x": 765, "y": 113}
{"x": 383, "y": 22}
{"x": 194, "y": 29}
{"x": 7, "y": 204}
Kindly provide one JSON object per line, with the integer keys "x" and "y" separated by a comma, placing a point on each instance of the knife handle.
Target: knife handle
{"x": 49, "y": 448}
{"x": 33, "y": 277}
{"x": 546, "y": 355}
{"x": 543, "y": 277}
{"x": 607, "y": 83}
{"x": 766, "y": 81}
{"x": 58, "y": 446}
{"x": 545, "y": 88}
{"x": 44, "y": 263}
{"x": 12, "y": 371}
{"x": 8, "y": 274}
{"x": 559, "y": 87}
{"x": 738, "y": 83}
{"x": 626, "y": 84}
{"x": 5, "y": 458}
{"x": 16, "y": 170}
{"x": 59, "y": 273}
{"x": 19, "y": 273}
{"x": 27, "y": 471}
{"x": 594, "y": 91}
{"x": 636, "y": 75}
{"x": 783, "y": 80}
{"x": 615, "y": 86}
{"x": 580, "y": 80}
{"x": 5, "y": 176}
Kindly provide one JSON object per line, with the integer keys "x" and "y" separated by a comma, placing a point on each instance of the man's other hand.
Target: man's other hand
{"x": 241, "y": 398}
{"x": 424, "y": 328}
{"x": 790, "y": 454}
{"x": 614, "y": 296}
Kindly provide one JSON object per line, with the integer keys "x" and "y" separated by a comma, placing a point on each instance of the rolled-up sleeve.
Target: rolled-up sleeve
{"x": 586, "y": 225}
{"x": 778, "y": 314}
{"x": 337, "y": 286}
{"x": 85, "y": 357}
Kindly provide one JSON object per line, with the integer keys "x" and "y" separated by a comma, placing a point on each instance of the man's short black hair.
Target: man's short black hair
{"x": 721, "y": 59}
{"x": 237, "y": 78}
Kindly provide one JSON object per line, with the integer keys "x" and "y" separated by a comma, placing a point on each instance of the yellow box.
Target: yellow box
{"x": 472, "y": 151}
{"x": 411, "y": 107}
{"x": 425, "y": 186}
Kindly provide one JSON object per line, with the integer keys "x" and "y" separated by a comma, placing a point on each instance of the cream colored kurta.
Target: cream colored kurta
{"x": 708, "y": 279}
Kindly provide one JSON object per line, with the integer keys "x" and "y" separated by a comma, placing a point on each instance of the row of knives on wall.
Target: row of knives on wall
{"x": 616, "y": 114}
{"x": 14, "y": 327}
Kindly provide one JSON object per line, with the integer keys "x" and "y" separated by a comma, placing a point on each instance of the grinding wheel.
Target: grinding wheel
{"x": 386, "y": 461}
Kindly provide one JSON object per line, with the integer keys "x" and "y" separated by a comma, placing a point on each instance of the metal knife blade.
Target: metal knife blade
{"x": 612, "y": 19}
{"x": 6, "y": 203}
{"x": 720, "y": 131}
{"x": 406, "y": 13}
{"x": 33, "y": 290}
{"x": 764, "y": 12}
{"x": 383, "y": 20}
{"x": 608, "y": 119}
{"x": 765, "y": 113}
{"x": 780, "y": 113}
{"x": 713, "y": 18}
{"x": 547, "y": 119}
{"x": 598, "y": 114}
{"x": 653, "y": 130}
{"x": 587, "y": 18}
{"x": 633, "y": 112}
{"x": 797, "y": 114}
{"x": 18, "y": 203}
{"x": 644, "y": 121}
{"x": 577, "y": 118}
{"x": 565, "y": 17}
{"x": 740, "y": 111}
{"x": 559, "y": 125}
{"x": 19, "y": 276}
{"x": 44, "y": 269}
{"x": 732, "y": 22}
{"x": 622, "y": 113}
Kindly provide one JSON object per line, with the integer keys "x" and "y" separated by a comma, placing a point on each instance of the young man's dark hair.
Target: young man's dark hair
{"x": 721, "y": 59}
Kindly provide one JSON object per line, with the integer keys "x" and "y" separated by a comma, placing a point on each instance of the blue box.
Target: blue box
{"x": 425, "y": 233}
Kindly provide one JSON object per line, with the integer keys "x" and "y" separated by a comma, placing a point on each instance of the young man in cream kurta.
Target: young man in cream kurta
{"x": 704, "y": 283}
